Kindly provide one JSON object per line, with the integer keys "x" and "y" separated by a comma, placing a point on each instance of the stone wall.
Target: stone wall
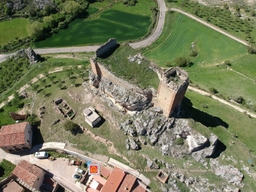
{"x": 171, "y": 90}
{"x": 123, "y": 94}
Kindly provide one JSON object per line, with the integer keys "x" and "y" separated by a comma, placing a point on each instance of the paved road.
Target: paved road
{"x": 158, "y": 30}
{"x": 210, "y": 26}
{"x": 60, "y": 169}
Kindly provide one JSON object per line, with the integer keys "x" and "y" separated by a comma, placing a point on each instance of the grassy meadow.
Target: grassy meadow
{"x": 14, "y": 28}
{"x": 213, "y": 50}
{"x": 106, "y": 20}
{"x": 181, "y": 32}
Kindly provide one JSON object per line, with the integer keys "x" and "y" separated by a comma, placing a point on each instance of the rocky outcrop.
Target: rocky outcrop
{"x": 227, "y": 172}
{"x": 106, "y": 48}
{"x": 127, "y": 99}
{"x": 40, "y": 4}
{"x": 30, "y": 54}
{"x": 15, "y": 5}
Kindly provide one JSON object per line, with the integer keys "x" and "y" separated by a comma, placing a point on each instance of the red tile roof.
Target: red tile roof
{"x": 105, "y": 171}
{"x": 13, "y": 134}
{"x": 27, "y": 172}
{"x": 13, "y": 186}
{"x": 114, "y": 180}
{"x": 127, "y": 183}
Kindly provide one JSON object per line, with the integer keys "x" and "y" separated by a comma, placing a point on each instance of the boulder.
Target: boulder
{"x": 133, "y": 144}
{"x": 227, "y": 172}
{"x": 40, "y": 4}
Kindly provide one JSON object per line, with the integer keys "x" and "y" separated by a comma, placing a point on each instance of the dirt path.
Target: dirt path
{"x": 210, "y": 26}
{"x": 237, "y": 108}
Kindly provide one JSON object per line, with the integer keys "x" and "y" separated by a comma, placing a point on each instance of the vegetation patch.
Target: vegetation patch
{"x": 14, "y": 29}
{"x": 139, "y": 74}
{"x": 181, "y": 34}
{"x": 6, "y": 168}
{"x": 111, "y": 23}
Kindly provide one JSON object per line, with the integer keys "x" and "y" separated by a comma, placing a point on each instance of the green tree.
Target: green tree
{"x": 72, "y": 127}
{"x": 36, "y": 29}
{"x": 33, "y": 120}
{"x": 72, "y": 7}
{"x": 182, "y": 62}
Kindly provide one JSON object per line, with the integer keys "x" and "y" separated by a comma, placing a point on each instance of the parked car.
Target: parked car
{"x": 41, "y": 155}
{"x": 76, "y": 176}
{"x": 73, "y": 162}
{"x": 77, "y": 170}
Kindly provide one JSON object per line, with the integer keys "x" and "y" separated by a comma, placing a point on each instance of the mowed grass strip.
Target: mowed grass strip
{"x": 15, "y": 28}
{"x": 112, "y": 24}
{"x": 181, "y": 32}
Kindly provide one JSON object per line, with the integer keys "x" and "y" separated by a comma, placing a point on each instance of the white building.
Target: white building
{"x": 91, "y": 117}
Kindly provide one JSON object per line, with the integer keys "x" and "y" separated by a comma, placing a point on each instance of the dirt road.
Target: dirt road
{"x": 237, "y": 108}
{"x": 210, "y": 26}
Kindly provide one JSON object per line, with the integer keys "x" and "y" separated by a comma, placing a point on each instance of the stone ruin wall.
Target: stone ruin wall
{"x": 169, "y": 94}
{"x": 101, "y": 71}
{"x": 106, "y": 47}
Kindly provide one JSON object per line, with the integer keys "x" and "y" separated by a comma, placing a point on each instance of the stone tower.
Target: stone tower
{"x": 171, "y": 90}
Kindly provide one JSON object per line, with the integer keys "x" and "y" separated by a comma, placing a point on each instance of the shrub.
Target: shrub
{"x": 213, "y": 90}
{"x": 179, "y": 141}
{"x": 72, "y": 127}
{"x": 182, "y": 62}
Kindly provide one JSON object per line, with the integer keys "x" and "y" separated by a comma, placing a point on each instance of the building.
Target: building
{"x": 29, "y": 175}
{"x": 16, "y": 137}
{"x": 12, "y": 186}
{"x": 171, "y": 90}
{"x": 114, "y": 180}
{"x": 91, "y": 117}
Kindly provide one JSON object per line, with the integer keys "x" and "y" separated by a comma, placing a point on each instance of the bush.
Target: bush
{"x": 72, "y": 127}
{"x": 182, "y": 62}
{"x": 179, "y": 141}
{"x": 213, "y": 90}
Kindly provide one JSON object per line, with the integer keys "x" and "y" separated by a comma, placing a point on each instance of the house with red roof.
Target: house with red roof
{"x": 16, "y": 137}
{"x": 28, "y": 175}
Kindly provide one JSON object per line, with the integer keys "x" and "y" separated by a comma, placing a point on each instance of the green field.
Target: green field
{"x": 241, "y": 148}
{"x": 138, "y": 74}
{"x": 121, "y": 22}
{"x": 15, "y": 28}
{"x": 179, "y": 34}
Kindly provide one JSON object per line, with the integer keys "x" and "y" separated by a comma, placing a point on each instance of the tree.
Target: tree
{"x": 182, "y": 62}
{"x": 36, "y": 29}
{"x": 213, "y": 90}
{"x": 72, "y": 127}
{"x": 72, "y": 7}
{"x": 32, "y": 119}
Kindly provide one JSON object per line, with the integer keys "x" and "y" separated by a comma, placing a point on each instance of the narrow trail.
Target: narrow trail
{"x": 210, "y": 26}
{"x": 237, "y": 108}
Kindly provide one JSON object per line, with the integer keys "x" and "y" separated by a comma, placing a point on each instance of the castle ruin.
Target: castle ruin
{"x": 171, "y": 90}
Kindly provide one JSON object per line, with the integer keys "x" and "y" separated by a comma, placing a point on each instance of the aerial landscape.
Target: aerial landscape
{"x": 127, "y": 95}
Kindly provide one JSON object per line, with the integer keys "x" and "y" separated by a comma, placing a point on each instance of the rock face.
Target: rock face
{"x": 40, "y": 4}
{"x": 15, "y": 5}
{"x": 124, "y": 98}
{"x": 30, "y": 54}
{"x": 227, "y": 172}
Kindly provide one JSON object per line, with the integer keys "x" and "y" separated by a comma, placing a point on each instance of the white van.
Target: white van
{"x": 41, "y": 155}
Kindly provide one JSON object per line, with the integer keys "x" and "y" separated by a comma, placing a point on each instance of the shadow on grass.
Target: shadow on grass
{"x": 37, "y": 136}
{"x": 200, "y": 116}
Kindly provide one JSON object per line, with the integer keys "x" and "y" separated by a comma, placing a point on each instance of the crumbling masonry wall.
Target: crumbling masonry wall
{"x": 171, "y": 90}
